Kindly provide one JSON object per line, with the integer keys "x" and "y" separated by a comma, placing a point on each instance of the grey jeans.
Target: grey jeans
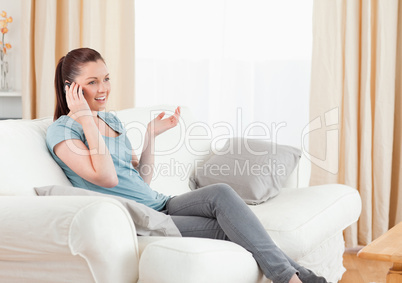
{"x": 217, "y": 212}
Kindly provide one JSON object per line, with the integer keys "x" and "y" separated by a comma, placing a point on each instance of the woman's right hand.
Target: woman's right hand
{"x": 76, "y": 102}
{"x": 91, "y": 161}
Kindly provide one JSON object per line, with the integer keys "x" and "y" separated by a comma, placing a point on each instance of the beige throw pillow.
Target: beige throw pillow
{"x": 147, "y": 221}
{"x": 255, "y": 169}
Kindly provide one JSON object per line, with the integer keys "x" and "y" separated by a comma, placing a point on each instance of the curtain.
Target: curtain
{"x": 238, "y": 64}
{"x": 356, "y": 103}
{"x": 52, "y": 28}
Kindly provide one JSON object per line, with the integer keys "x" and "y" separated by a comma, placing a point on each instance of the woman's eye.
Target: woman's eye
{"x": 107, "y": 79}
{"x": 91, "y": 82}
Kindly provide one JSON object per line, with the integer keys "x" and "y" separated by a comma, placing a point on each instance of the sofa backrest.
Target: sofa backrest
{"x": 177, "y": 151}
{"x": 25, "y": 159}
{"x": 180, "y": 150}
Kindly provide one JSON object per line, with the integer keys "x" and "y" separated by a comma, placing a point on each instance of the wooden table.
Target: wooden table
{"x": 388, "y": 247}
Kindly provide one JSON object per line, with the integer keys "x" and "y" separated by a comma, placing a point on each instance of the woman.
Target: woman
{"x": 92, "y": 148}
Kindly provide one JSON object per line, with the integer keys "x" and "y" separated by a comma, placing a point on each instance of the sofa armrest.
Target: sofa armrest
{"x": 99, "y": 230}
{"x": 304, "y": 171}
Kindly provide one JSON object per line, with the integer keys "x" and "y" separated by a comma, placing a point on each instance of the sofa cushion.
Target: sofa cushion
{"x": 182, "y": 149}
{"x": 26, "y": 161}
{"x": 148, "y": 222}
{"x": 299, "y": 220}
{"x": 197, "y": 260}
{"x": 255, "y": 169}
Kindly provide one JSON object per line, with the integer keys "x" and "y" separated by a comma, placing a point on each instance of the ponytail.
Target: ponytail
{"x": 61, "y": 102}
{"x": 68, "y": 68}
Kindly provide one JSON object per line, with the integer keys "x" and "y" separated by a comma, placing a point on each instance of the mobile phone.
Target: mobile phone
{"x": 69, "y": 85}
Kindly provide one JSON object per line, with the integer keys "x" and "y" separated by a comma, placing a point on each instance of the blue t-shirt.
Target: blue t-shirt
{"x": 131, "y": 185}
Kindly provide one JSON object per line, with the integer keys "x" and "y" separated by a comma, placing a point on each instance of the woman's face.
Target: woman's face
{"x": 94, "y": 80}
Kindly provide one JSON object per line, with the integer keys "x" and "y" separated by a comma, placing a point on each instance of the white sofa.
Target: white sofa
{"x": 93, "y": 239}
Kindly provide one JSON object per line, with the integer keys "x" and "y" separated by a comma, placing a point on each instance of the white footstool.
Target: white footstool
{"x": 195, "y": 260}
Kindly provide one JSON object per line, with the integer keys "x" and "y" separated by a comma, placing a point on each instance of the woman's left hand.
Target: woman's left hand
{"x": 159, "y": 125}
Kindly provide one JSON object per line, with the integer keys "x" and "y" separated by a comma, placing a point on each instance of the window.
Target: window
{"x": 238, "y": 61}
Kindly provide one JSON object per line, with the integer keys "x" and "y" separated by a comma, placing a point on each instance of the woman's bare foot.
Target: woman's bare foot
{"x": 295, "y": 279}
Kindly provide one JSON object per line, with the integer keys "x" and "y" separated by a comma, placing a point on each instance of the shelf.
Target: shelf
{"x": 10, "y": 94}
{"x": 10, "y": 104}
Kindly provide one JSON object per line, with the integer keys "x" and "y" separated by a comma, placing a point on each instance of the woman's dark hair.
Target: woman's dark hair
{"x": 68, "y": 68}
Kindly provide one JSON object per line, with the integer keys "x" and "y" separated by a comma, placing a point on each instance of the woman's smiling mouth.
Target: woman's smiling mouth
{"x": 102, "y": 98}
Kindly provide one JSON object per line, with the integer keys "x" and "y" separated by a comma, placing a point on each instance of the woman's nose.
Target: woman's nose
{"x": 102, "y": 87}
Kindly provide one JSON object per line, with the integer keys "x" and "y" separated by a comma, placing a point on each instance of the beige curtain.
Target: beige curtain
{"x": 356, "y": 86}
{"x": 53, "y": 27}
